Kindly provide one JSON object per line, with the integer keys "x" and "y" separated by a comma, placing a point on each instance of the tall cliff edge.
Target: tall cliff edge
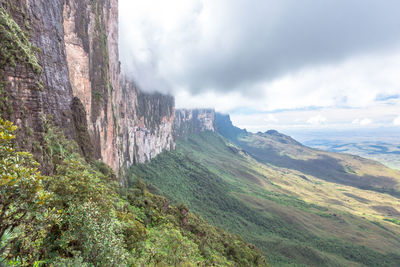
{"x": 191, "y": 121}
{"x": 59, "y": 60}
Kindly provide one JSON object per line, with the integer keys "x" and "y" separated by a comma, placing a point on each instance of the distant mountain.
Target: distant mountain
{"x": 282, "y": 151}
{"x": 274, "y": 192}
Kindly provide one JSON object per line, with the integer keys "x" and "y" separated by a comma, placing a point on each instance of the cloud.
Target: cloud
{"x": 318, "y": 119}
{"x": 365, "y": 122}
{"x": 383, "y": 97}
{"x": 362, "y": 122}
{"x": 271, "y": 118}
{"x": 285, "y": 57}
{"x": 337, "y": 118}
{"x": 227, "y": 45}
{"x": 396, "y": 121}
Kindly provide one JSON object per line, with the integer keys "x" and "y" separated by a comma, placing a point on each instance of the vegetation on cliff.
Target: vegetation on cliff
{"x": 15, "y": 50}
{"x": 80, "y": 216}
{"x": 15, "y": 46}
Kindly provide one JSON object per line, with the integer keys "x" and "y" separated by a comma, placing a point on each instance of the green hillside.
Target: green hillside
{"x": 297, "y": 219}
{"x": 282, "y": 151}
{"x": 81, "y": 216}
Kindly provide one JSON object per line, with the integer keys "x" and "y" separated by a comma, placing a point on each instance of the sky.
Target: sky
{"x": 286, "y": 65}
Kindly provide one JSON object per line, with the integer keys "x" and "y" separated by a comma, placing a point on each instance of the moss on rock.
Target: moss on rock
{"x": 15, "y": 47}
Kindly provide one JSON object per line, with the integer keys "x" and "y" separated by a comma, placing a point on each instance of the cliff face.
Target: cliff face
{"x": 146, "y": 124}
{"x": 71, "y": 72}
{"x": 91, "y": 45}
{"x": 34, "y": 81}
{"x": 225, "y": 127}
{"x": 189, "y": 121}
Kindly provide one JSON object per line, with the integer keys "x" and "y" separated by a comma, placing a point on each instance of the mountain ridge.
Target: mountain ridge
{"x": 72, "y": 56}
{"x": 283, "y": 151}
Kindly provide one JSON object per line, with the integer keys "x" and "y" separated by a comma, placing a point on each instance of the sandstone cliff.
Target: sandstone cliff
{"x": 60, "y": 58}
{"x": 34, "y": 78}
{"x": 145, "y": 125}
{"x": 189, "y": 121}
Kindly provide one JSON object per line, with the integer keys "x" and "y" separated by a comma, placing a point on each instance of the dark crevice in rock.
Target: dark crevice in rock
{"x": 81, "y": 129}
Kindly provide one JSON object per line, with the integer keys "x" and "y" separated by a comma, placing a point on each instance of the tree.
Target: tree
{"x": 22, "y": 196}
{"x": 166, "y": 245}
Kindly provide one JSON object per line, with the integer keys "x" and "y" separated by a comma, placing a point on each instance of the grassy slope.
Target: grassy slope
{"x": 284, "y": 152}
{"x": 296, "y": 219}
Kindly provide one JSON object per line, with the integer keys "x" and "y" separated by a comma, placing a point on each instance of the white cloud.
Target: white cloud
{"x": 355, "y": 83}
{"x": 318, "y": 119}
{"x": 381, "y": 116}
{"x": 271, "y": 118}
{"x": 365, "y": 122}
{"x": 362, "y": 122}
{"x": 214, "y": 54}
{"x": 396, "y": 121}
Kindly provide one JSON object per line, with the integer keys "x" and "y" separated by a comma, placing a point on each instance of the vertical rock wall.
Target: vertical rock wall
{"x": 76, "y": 79}
{"x": 190, "y": 121}
{"x": 146, "y": 124}
{"x": 91, "y": 43}
{"x": 33, "y": 69}
{"x": 126, "y": 125}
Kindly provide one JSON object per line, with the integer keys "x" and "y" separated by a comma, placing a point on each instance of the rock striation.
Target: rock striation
{"x": 145, "y": 124}
{"x": 34, "y": 78}
{"x": 192, "y": 121}
{"x": 91, "y": 47}
{"x": 71, "y": 74}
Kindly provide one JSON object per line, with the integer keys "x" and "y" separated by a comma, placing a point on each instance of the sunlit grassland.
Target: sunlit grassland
{"x": 295, "y": 218}
{"x": 283, "y": 152}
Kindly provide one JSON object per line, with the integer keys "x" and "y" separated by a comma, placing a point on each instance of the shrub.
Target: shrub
{"x": 95, "y": 235}
{"x": 168, "y": 246}
{"x": 22, "y": 198}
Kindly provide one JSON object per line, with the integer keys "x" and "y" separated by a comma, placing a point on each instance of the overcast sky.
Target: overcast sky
{"x": 284, "y": 64}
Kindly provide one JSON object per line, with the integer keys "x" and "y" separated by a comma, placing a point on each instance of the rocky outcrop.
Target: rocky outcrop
{"x": 225, "y": 127}
{"x": 72, "y": 73}
{"x": 191, "y": 121}
{"x": 127, "y": 126}
{"x": 145, "y": 124}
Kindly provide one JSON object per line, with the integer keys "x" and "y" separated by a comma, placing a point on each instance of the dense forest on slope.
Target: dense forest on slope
{"x": 81, "y": 216}
{"x": 297, "y": 219}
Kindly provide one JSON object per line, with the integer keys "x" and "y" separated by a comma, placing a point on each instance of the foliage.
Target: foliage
{"x": 70, "y": 262}
{"x": 80, "y": 216}
{"x": 15, "y": 46}
{"x": 215, "y": 246}
{"x": 21, "y": 193}
{"x": 94, "y": 234}
{"x": 166, "y": 245}
{"x": 395, "y": 221}
{"x": 56, "y": 146}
